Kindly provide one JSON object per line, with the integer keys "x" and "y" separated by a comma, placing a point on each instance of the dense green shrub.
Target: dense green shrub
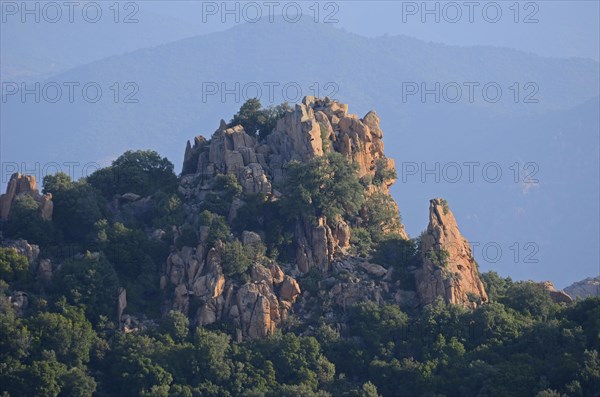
{"x": 238, "y": 257}
{"x": 188, "y": 237}
{"x": 529, "y": 298}
{"x": 324, "y": 186}
{"x": 89, "y": 281}
{"x": 381, "y": 216}
{"x": 14, "y": 267}
{"x": 383, "y": 172}
{"x": 224, "y": 189}
{"x": 360, "y": 240}
{"x": 26, "y": 222}
{"x": 77, "y": 207}
{"x": 218, "y": 229}
{"x": 142, "y": 172}
{"x": 258, "y": 121}
{"x": 67, "y": 341}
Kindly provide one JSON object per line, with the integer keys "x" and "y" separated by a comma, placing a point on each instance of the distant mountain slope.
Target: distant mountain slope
{"x": 584, "y": 288}
{"x": 366, "y": 71}
{"x": 32, "y": 50}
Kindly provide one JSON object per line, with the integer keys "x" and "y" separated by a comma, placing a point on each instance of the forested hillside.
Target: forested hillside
{"x": 274, "y": 264}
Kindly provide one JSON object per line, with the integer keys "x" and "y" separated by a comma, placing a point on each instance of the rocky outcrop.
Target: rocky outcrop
{"x": 19, "y": 301}
{"x": 256, "y": 307}
{"x": 313, "y": 128}
{"x": 121, "y": 302}
{"x": 584, "y": 288}
{"x": 44, "y": 271}
{"x": 352, "y": 281}
{"x": 316, "y": 245}
{"x": 556, "y": 295}
{"x": 30, "y": 251}
{"x": 25, "y": 185}
{"x": 40, "y": 267}
{"x": 260, "y": 300}
{"x": 448, "y": 269}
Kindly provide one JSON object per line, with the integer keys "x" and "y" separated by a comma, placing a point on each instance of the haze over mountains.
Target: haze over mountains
{"x": 553, "y": 140}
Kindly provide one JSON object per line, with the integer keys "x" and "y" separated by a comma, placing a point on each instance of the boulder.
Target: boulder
{"x": 290, "y": 289}
{"x": 181, "y": 299}
{"x": 373, "y": 268}
{"x": 556, "y": 295}
{"x": 20, "y": 301}
{"x": 121, "y": 302}
{"x": 277, "y": 274}
{"x": 260, "y": 273}
{"x": 130, "y": 197}
{"x": 44, "y": 271}
{"x": 250, "y": 237}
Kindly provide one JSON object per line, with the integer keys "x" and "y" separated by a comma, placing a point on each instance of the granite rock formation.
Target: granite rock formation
{"x": 25, "y": 185}
{"x": 268, "y": 293}
{"x": 448, "y": 268}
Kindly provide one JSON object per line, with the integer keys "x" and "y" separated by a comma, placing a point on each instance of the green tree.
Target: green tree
{"x": 398, "y": 253}
{"x": 297, "y": 360}
{"x": 13, "y": 266}
{"x": 381, "y": 216}
{"x": 176, "y": 324}
{"x": 376, "y": 324}
{"x": 225, "y": 187}
{"x": 495, "y": 286}
{"x": 57, "y": 182}
{"x": 134, "y": 368}
{"x": 187, "y": 237}
{"x": 212, "y": 355}
{"x": 168, "y": 210}
{"x": 141, "y": 172}
{"x": 135, "y": 258}
{"x": 238, "y": 257}
{"x": 77, "y": 207}
{"x": 383, "y": 172}
{"x": 368, "y": 389}
{"x": 25, "y": 221}
{"x": 407, "y": 375}
{"x": 256, "y": 120}
{"x": 218, "y": 229}
{"x": 324, "y": 186}
{"x": 360, "y": 241}
{"x": 251, "y": 215}
{"x": 529, "y": 298}
{"x": 43, "y": 377}
{"x": 491, "y": 323}
{"x": 590, "y": 373}
{"x": 249, "y": 116}
{"x": 76, "y": 383}
{"x": 15, "y": 338}
{"x": 69, "y": 335}
{"x": 91, "y": 281}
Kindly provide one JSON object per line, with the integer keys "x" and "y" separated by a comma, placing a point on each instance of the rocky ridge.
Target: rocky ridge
{"x": 255, "y": 307}
{"x": 584, "y": 288}
{"x": 313, "y": 128}
{"x": 194, "y": 278}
